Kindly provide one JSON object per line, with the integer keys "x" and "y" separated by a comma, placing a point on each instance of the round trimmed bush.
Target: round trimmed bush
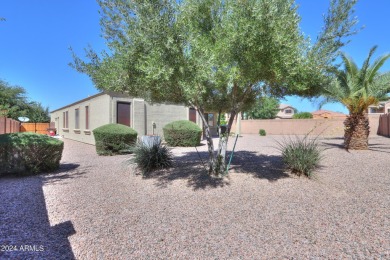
{"x": 182, "y": 133}
{"x": 29, "y": 153}
{"x": 114, "y": 139}
{"x": 262, "y": 132}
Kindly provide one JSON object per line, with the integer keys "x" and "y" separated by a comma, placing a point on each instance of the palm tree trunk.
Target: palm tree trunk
{"x": 356, "y": 132}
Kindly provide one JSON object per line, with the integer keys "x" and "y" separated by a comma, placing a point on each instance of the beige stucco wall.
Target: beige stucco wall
{"x": 103, "y": 110}
{"x": 99, "y": 114}
{"x": 325, "y": 127}
{"x": 162, "y": 114}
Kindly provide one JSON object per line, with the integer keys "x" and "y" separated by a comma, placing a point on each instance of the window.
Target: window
{"x": 65, "y": 119}
{"x": 288, "y": 111}
{"x": 123, "y": 113}
{"x": 210, "y": 118}
{"x": 374, "y": 110}
{"x": 86, "y": 117}
{"x": 77, "y": 118}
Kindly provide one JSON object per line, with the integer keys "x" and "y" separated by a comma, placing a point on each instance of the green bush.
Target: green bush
{"x": 262, "y": 132}
{"x": 114, "y": 139}
{"x": 303, "y": 115}
{"x": 182, "y": 133}
{"x": 29, "y": 153}
{"x": 301, "y": 155}
{"x": 152, "y": 157}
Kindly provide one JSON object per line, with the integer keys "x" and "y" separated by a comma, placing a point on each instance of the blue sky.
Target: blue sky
{"x": 37, "y": 34}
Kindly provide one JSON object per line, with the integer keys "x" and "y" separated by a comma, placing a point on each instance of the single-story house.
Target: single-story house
{"x": 321, "y": 114}
{"x": 76, "y": 121}
{"x": 382, "y": 108}
{"x": 285, "y": 112}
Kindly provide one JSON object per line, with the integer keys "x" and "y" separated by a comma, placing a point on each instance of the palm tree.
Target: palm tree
{"x": 357, "y": 89}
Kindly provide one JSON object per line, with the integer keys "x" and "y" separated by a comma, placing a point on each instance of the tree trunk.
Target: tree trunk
{"x": 216, "y": 163}
{"x": 220, "y": 161}
{"x": 210, "y": 144}
{"x": 356, "y": 132}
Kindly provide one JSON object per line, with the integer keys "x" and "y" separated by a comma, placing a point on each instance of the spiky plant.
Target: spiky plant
{"x": 358, "y": 89}
{"x": 152, "y": 157}
{"x": 301, "y": 155}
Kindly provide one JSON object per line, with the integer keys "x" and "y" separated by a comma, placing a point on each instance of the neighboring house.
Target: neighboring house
{"x": 285, "y": 112}
{"x": 321, "y": 114}
{"x": 382, "y": 108}
{"x": 77, "y": 120}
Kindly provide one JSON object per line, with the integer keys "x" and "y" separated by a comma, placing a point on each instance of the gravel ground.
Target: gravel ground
{"x": 98, "y": 208}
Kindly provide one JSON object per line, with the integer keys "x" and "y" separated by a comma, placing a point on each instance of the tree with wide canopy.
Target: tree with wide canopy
{"x": 214, "y": 55}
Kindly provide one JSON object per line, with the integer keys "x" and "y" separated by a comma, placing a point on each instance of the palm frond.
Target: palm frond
{"x": 374, "y": 68}
{"x": 358, "y": 88}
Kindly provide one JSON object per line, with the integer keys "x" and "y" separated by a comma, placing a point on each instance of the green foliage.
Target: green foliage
{"x": 302, "y": 115}
{"x": 12, "y": 100}
{"x": 262, "y": 132}
{"x": 14, "y": 104}
{"x": 29, "y": 153}
{"x": 182, "y": 133}
{"x": 213, "y": 55}
{"x": 358, "y": 88}
{"x": 223, "y": 120}
{"x": 114, "y": 139}
{"x": 152, "y": 157}
{"x": 301, "y": 155}
{"x": 37, "y": 113}
{"x": 265, "y": 108}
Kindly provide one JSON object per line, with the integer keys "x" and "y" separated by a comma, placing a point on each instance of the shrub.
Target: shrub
{"x": 182, "y": 133}
{"x": 152, "y": 157}
{"x": 303, "y": 115}
{"x": 114, "y": 139}
{"x": 262, "y": 132}
{"x": 29, "y": 153}
{"x": 301, "y": 155}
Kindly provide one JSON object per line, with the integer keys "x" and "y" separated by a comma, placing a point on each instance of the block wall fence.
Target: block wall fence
{"x": 324, "y": 127}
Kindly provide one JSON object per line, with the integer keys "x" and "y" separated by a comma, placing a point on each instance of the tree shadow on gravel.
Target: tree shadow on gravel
{"x": 379, "y": 147}
{"x": 192, "y": 167}
{"x": 65, "y": 172}
{"x": 269, "y": 167}
{"x": 372, "y": 146}
{"x": 25, "y": 228}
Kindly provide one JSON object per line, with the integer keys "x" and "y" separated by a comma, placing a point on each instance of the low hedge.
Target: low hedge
{"x": 114, "y": 139}
{"x": 29, "y": 153}
{"x": 182, "y": 133}
{"x": 303, "y": 115}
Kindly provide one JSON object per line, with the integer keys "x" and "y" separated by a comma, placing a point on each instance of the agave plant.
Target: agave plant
{"x": 358, "y": 89}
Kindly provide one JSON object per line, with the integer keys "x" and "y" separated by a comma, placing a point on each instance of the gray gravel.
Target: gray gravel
{"x": 99, "y": 208}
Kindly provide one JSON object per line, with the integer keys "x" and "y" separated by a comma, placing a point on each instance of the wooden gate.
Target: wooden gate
{"x": 39, "y": 128}
{"x": 384, "y": 125}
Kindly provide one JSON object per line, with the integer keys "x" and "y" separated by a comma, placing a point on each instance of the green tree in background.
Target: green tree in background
{"x": 265, "y": 108}
{"x": 14, "y": 104}
{"x": 302, "y": 115}
{"x": 357, "y": 89}
{"x": 12, "y": 100}
{"x": 37, "y": 113}
{"x": 213, "y": 55}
